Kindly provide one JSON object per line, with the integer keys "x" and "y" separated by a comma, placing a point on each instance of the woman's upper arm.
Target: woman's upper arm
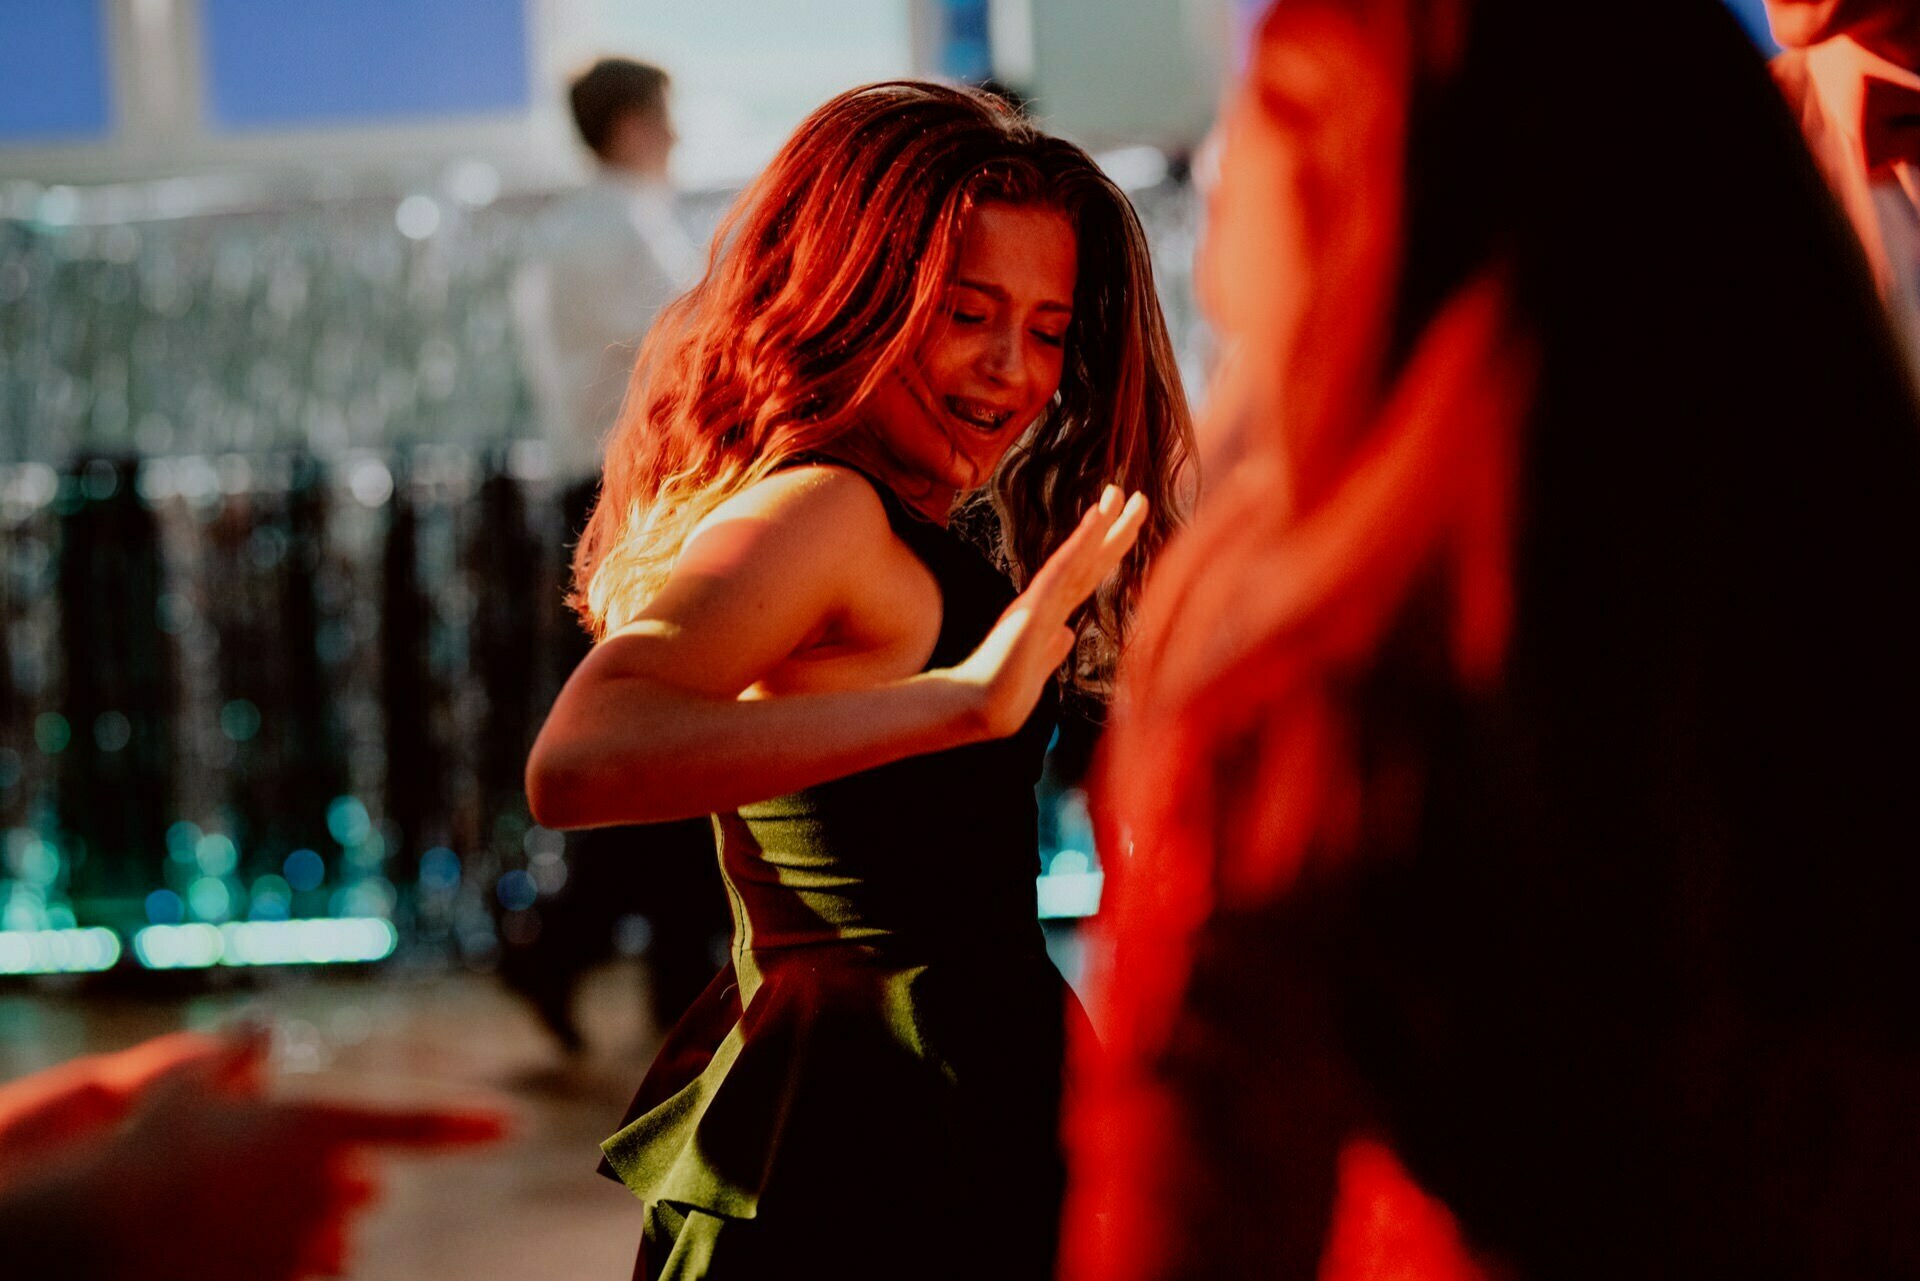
{"x": 759, "y": 579}
{"x": 652, "y": 726}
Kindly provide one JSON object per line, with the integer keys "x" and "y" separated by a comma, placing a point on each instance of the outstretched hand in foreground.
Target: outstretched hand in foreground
{"x": 167, "y": 1161}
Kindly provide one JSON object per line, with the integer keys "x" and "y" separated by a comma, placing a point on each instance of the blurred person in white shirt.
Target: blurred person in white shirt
{"x": 602, "y": 262}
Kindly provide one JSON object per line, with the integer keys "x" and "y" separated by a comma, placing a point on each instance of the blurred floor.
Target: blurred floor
{"x": 532, "y": 1208}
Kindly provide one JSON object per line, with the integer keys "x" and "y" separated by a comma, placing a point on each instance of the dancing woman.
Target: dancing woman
{"x": 926, "y": 316}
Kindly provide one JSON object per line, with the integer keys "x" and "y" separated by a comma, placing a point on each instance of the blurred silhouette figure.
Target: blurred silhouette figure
{"x": 1851, "y": 72}
{"x": 602, "y": 263}
{"x": 114, "y": 796}
{"x": 167, "y": 1162}
{"x": 1511, "y": 796}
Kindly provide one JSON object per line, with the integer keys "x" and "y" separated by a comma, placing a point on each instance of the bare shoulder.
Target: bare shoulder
{"x": 802, "y": 563}
{"x": 824, "y": 507}
{"x": 765, "y": 574}
{"x": 802, "y": 536}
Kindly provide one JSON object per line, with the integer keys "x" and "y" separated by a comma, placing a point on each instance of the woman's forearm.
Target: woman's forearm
{"x": 633, "y": 750}
{"x": 650, "y": 727}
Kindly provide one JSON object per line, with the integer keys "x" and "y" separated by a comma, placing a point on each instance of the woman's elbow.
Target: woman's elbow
{"x": 548, "y": 797}
{"x": 561, "y": 794}
{"x": 565, "y": 791}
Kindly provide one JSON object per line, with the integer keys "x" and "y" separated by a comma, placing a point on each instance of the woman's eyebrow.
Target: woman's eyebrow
{"x": 996, "y": 292}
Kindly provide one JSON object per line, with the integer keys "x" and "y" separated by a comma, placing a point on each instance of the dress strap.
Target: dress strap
{"x": 919, "y": 533}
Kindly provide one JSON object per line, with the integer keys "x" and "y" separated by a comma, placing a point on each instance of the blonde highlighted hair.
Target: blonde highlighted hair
{"x": 827, "y": 275}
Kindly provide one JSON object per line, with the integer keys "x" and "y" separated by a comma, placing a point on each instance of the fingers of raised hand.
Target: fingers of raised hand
{"x": 1124, "y": 531}
{"x": 1090, "y": 553}
{"x": 1118, "y": 526}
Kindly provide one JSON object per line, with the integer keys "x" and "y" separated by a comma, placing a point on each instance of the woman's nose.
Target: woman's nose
{"x": 1001, "y": 359}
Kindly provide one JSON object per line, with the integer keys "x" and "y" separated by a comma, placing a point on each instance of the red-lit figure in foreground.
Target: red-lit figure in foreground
{"x": 925, "y": 316}
{"x": 1851, "y": 72}
{"x": 1510, "y": 807}
{"x": 166, "y": 1162}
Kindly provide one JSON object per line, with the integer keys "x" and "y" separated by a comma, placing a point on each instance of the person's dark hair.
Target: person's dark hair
{"x": 1694, "y": 786}
{"x": 608, "y": 90}
{"x": 1612, "y": 939}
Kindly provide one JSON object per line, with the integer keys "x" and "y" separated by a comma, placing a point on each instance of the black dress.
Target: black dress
{"x": 871, "y": 1087}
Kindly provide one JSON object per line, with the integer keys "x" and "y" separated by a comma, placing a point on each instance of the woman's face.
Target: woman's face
{"x": 992, "y": 360}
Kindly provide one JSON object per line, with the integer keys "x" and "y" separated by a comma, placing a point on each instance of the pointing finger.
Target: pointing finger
{"x": 131, "y": 1071}
{"x": 349, "y": 1124}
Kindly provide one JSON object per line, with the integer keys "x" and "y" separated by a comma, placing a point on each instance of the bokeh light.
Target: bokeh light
{"x": 112, "y": 731}
{"x": 25, "y": 908}
{"x": 216, "y": 855}
{"x": 270, "y": 899}
{"x": 347, "y": 821}
{"x": 327, "y": 942}
{"x": 417, "y": 217}
{"x": 516, "y": 891}
{"x": 51, "y": 733}
{"x": 209, "y": 899}
{"x": 439, "y": 869}
{"x": 58, "y": 951}
{"x": 183, "y": 841}
{"x": 304, "y": 870}
{"x": 240, "y": 720}
{"x": 375, "y": 896}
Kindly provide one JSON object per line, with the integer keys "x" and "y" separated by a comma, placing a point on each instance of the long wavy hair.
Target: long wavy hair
{"x": 1509, "y": 805}
{"x": 827, "y": 274}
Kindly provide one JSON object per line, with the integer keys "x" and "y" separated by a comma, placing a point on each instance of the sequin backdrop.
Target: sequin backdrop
{"x": 279, "y": 568}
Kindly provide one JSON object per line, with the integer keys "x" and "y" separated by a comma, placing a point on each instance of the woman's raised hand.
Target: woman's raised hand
{"x": 1011, "y": 667}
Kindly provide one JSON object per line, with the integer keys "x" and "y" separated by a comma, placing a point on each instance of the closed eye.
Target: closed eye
{"x": 1051, "y": 340}
{"x": 966, "y": 317}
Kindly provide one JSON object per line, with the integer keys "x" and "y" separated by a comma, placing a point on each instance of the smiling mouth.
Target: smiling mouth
{"x": 975, "y": 414}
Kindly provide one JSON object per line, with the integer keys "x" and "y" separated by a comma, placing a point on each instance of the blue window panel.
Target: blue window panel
{"x": 966, "y": 47}
{"x": 1753, "y": 16}
{"x": 274, "y": 65}
{"x": 53, "y": 71}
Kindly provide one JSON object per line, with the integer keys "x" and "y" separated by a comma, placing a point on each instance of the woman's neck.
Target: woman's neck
{"x": 927, "y": 498}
